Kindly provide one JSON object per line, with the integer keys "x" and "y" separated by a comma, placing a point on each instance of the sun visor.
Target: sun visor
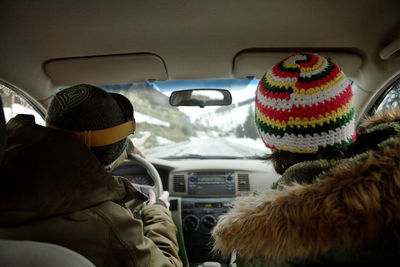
{"x": 101, "y": 70}
{"x": 256, "y": 63}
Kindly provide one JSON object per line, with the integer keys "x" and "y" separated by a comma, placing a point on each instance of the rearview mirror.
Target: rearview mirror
{"x": 201, "y": 97}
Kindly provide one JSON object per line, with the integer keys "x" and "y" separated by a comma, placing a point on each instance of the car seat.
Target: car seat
{"x": 32, "y": 253}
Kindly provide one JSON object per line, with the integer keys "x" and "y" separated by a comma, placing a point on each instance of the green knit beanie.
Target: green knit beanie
{"x": 85, "y": 107}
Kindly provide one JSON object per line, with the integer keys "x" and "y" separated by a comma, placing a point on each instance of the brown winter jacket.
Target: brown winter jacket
{"x": 54, "y": 190}
{"x": 325, "y": 213}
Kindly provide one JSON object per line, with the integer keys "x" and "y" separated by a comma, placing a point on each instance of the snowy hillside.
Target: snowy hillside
{"x": 228, "y": 120}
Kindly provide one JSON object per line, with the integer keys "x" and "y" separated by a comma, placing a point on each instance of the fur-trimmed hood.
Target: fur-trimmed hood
{"x": 350, "y": 203}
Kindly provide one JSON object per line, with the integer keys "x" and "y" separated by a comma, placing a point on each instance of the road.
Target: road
{"x": 215, "y": 146}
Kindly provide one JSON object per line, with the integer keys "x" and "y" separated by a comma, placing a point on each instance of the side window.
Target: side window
{"x": 392, "y": 98}
{"x": 14, "y": 104}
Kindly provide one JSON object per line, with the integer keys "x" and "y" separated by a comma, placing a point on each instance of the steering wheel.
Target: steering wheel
{"x": 153, "y": 173}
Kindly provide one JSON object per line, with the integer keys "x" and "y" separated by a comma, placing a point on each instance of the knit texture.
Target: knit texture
{"x": 85, "y": 107}
{"x": 304, "y": 105}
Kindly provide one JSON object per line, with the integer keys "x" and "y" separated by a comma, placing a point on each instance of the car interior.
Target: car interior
{"x": 160, "y": 54}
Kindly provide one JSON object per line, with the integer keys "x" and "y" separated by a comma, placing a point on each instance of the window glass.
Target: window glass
{"x": 392, "y": 98}
{"x": 14, "y": 104}
{"x": 165, "y": 131}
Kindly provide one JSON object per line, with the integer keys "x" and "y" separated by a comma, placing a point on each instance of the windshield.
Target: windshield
{"x": 164, "y": 131}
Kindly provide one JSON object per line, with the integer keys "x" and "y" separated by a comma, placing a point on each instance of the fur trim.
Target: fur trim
{"x": 390, "y": 115}
{"x": 355, "y": 205}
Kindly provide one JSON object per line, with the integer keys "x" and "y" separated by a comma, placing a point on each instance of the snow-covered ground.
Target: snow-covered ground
{"x": 163, "y": 141}
{"x": 139, "y": 117}
{"x": 19, "y": 109}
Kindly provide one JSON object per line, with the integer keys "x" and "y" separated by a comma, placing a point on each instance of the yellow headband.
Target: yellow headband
{"x": 102, "y": 137}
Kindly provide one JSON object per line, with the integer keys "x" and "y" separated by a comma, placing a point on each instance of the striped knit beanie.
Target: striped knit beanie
{"x": 304, "y": 105}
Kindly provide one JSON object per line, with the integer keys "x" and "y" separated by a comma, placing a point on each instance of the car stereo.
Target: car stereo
{"x": 211, "y": 183}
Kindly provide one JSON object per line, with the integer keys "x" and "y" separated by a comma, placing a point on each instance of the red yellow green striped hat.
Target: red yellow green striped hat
{"x": 304, "y": 105}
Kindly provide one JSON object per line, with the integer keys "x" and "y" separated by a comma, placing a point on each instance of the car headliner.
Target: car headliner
{"x": 193, "y": 39}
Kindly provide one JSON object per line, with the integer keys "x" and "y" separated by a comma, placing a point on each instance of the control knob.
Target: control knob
{"x": 209, "y": 221}
{"x": 190, "y": 223}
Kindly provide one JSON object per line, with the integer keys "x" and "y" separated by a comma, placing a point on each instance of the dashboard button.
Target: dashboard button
{"x": 207, "y": 211}
{"x": 209, "y": 221}
{"x": 191, "y": 223}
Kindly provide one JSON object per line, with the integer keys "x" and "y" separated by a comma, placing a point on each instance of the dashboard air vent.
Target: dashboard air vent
{"x": 179, "y": 183}
{"x": 243, "y": 182}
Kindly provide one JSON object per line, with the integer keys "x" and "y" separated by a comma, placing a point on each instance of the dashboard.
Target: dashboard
{"x": 201, "y": 191}
{"x": 136, "y": 174}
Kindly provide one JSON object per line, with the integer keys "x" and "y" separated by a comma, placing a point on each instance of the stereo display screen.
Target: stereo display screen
{"x": 211, "y": 179}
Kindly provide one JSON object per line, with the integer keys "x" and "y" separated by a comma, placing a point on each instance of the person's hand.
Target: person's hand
{"x": 152, "y": 197}
{"x": 164, "y": 198}
{"x": 137, "y": 150}
{"x": 138, "y": 143}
